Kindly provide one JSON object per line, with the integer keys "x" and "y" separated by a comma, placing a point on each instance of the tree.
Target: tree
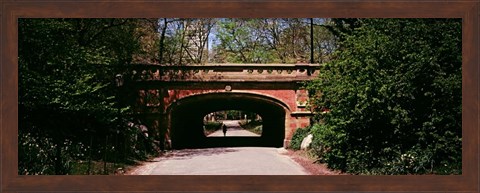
{"x": 240, "y": 42}
{"x": 391, "y": 98}
{"x": 67, "y": 90}
{"x": 181, "y": 41}
{"x": 272, "y": 40}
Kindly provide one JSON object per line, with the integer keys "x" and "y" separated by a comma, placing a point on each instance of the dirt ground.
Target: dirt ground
{"x": 306, "y": 161}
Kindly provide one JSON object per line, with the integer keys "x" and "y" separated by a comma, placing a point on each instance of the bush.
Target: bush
{"x": 297, "y": 137}
{"x": 253, "y": 126}
{"x": 392, "y": 99}
{"x": 211, "y": 126}
{"x": 40, "y": 154}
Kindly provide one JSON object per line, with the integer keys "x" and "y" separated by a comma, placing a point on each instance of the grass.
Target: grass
{"x": 98, "y": 167}
{"x": 252, "y": 126}
{"x": 211, "y": 126}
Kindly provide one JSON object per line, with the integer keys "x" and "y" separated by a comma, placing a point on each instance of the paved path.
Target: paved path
{"x": 222, "y": 161}
{"x": 233, "y": 129}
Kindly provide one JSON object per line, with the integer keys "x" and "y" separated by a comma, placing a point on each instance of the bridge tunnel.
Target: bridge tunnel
{"x": 186, "y": 120}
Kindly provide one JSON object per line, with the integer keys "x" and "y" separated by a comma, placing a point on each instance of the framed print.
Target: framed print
{"x": 15, "y": 22}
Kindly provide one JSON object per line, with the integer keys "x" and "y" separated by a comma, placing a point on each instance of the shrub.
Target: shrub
{"x": 254, "y": 126}
{"x": 297, "y": 137}
{"x": 393, "y": 95}
{"x": 211, "y": 126}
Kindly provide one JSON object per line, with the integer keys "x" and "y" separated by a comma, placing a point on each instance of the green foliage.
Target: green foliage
{"x": 36, "y": 155}
{"x": 67, "y": 90}
{"x": 237, "y": 44}
{"x": 298, "y": 137}
{"x": 271, "y": 40}
{"x": 254, "y": 126}
{"x": 392, "y": 97}
{"x": 211, "y": 126}
{"x": 234, "y": 114}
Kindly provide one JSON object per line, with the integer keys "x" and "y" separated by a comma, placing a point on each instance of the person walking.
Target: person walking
{"x": 224, "y": 130}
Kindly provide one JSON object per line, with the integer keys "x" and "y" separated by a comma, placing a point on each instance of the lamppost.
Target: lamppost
{"x": 119, "y": 80}
{"x": 119, "y": 84}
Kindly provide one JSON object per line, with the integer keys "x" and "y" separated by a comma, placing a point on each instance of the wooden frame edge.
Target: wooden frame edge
{"x": 11, "y": 182}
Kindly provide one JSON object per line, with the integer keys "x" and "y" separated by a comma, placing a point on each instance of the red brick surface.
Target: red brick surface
{"x": 152, "y": 98}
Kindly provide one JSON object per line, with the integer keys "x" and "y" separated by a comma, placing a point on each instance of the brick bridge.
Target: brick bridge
{"x": 172, "y": 100}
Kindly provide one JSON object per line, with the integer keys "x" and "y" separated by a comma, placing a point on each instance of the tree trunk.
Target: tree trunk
{"x": 311, "y": 41}
{"x": 162, "y": 39}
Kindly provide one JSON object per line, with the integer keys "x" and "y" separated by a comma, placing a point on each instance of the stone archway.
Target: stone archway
{"x": 186, "y": 119}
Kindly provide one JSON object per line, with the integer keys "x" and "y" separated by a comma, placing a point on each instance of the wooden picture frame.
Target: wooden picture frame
{"x": 11, "y": 10}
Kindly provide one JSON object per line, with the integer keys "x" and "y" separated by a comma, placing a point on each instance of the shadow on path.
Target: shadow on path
{"x": 189, "y": 153}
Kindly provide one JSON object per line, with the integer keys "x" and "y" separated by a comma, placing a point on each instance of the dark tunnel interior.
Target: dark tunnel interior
{"x": 252, "y": 122}
{"x": 187, "y": 120}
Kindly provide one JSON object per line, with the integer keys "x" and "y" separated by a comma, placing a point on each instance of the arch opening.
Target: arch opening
{"x": 232, "y": 123}
{"x": 187, "y": 120}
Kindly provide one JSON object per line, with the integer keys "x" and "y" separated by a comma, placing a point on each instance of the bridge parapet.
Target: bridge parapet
{"x": 164, "y": 93}
{"x": 226, "y": 72}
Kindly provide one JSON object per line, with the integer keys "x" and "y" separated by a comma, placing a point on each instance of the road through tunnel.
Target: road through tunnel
{"x": 186, "y": 120}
